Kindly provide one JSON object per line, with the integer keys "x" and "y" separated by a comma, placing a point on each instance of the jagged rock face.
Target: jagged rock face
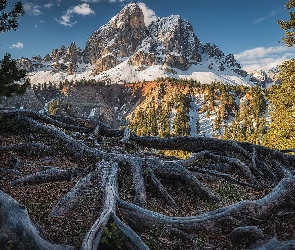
{"x": 165, "y": 47}
{"x": 169, "y": 41}
{"x": 60, "y": 60}
{"x": 119, "y": 37}
{"x": 173, "y": 41}
{"x": 264, "y": 78}
{"x": 105, "y": 63}
{"x": 66, "y": 59}
{"x": 223, "y": 61}
{"x": 47, "y": 58}
{"x": 175, "y": 35}
{"x": 141, "y": 58}
{"x": 230, "y": 61}
{"x": 179, "y": 62}
{"x": 274, "y": 75}
{"x": 212, "y": 51}
{"x": 30, "y": 65}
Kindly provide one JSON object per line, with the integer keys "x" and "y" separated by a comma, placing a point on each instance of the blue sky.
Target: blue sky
{"x": 247, "y": 29}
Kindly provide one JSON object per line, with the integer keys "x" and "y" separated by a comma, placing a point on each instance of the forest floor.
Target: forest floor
{"x": 70, "y": 228}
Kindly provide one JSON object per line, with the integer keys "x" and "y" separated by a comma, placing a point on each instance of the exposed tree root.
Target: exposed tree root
{"x": 17, "y": 226}
{"x": 155, "y": 182}
{"x": 48, "y": 175}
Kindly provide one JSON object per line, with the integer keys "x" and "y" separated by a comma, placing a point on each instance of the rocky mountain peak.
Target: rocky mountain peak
{"x": 60, "y": 60}
{"x": 126, "y": 49}
{"x": 117, "y": 39}
{"x": 265, "y": 78}
{"x": 175, "y": 36}
{"x": 131, "y": 14}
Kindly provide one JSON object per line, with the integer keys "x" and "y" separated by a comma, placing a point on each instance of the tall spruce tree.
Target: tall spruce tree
{"x": 289, "y": 26}
{"x": 281, "y": 132}
{"x": 12, "y": 79}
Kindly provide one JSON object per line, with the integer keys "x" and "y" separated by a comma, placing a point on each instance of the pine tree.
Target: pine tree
{"x": 281, "y": 134}
{"x": 289, "y": 26}
{"x": 9, "y": 20}
{"x": 10, "y": 75}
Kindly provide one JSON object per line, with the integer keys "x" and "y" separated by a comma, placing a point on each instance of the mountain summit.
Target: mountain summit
{"x": 126, "y": 50}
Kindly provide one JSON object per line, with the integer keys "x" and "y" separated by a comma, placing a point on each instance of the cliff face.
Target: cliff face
{"x": 59, "y": 60}
{"x": 170, "y": 42}
{"x": 118, "y": 38}
{"x": 265, "y": 78}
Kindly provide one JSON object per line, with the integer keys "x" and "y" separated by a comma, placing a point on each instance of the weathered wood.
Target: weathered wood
{"x": 234, "y": 162}
{"x": 276, "y": 244}
{"x": 172, "y": 169}
{"x": 16, "y": 221}
{"x": 277, "y": 199}
{"x": 224, "y": 176}
{"x": 74, "y": 196}
{"x": 92, "y": 238}
{"x": 48, "y": 175}
{"x": 161, "y": 188}
{"x": 138, "y": 183}
{"x": 259, "y": 165}
{"x": 130, "y": 234}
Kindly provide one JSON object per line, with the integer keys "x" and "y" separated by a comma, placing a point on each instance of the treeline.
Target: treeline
{"x": 249, "y": 122}
{"x": 281, "y": 130}
{"x": 61, "y": 84}
{"x": 168, "y": 106}
{"x": 242, "y": 113}
{"x": 173, "y": 107}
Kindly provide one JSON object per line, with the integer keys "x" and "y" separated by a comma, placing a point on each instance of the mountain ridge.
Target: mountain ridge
{"x": 126, "y": 50}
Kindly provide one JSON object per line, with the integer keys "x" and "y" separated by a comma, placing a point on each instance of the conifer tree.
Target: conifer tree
{"x": 281, "y": 134}
{"x": 289, "y": 26}
{"x": 9, "y": 20}
{"x": 10, "y": 75}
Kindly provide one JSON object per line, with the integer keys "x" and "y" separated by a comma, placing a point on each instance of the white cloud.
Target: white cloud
{"x": 17, "y": 45}
{"x": 32, "y": 9}
{"x": 264, "y": 58}
{"x": 65, "y": 20}
{"x": 258, "y": 20}
{"x": 82, "y": 9}
{"x": 48, "y": 5}
{"x": 91, "y": 1}
{"x": 97, "y": 1}
{"x": 149, "y": 15}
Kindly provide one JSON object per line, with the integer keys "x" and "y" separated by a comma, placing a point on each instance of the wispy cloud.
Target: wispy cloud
{"x": 260, "y": 19}
{"x": 90, "y": 1}
{"x": 17, "y": 45}
{"x": 149, "y": 15}
{"x": 264, "y": 58}
{"x": 111, "y": 1}
{"x": 82, "y": 9}
{"x": 32, "y": 9}
{"x": 48, "y": 5}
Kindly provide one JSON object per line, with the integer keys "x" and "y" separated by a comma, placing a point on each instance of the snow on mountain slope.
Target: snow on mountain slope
{"x": 126, "y": 50}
